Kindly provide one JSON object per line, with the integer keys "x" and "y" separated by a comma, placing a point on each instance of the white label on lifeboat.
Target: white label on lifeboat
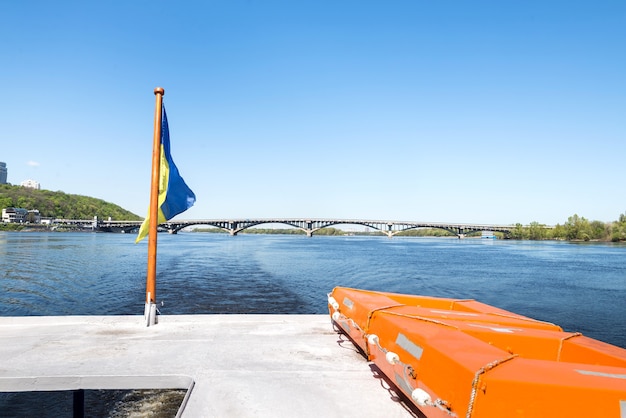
{"x": 348, "y": 303}
{"x": 611, "y": 375}
{"x": 622, "y": 409}
{"x": 409, "y": 346}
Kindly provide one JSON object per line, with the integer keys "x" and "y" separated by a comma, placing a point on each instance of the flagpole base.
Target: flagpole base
{"x": 150, "y": 314}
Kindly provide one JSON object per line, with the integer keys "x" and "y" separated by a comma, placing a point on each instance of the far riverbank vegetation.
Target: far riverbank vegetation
{"x": 61, "y": 205}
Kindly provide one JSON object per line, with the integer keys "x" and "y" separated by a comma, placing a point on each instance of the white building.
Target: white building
{"x": 32, "y": 184}
{"x": 19, "y": 215}
{"x": 13, "y": 215}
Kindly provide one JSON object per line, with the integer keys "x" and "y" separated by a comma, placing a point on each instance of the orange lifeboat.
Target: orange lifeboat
{"x": 463, "y": 358}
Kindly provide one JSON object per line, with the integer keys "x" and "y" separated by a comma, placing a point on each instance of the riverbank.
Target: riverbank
{"x": 423, "y": 233}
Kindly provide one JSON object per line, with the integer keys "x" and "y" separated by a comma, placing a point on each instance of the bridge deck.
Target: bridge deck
{"x": 310, "y": 226}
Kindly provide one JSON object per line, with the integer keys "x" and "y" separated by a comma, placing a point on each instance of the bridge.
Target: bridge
{"x": 309, "y": 226}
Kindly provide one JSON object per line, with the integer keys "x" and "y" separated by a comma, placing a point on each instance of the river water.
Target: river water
{"x": 579, "y": 286}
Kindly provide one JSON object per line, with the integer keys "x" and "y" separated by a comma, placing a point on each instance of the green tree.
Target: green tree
{"x": 577, "y": 228}
{"x": 25, "y": 202}
{"x": 31, "y": 218}
{"x": 558, "y": 232}
{"x": 329, "y": 231}
{"x": 598, "y": 230}
{"x": 536, "y": 231}
{"x": 6, "y": 202}
{"x": 518, "y": 232}
{"x": 618, "y": 229}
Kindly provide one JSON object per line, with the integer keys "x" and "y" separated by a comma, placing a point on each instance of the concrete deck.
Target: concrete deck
{"x": 233, "y": 365}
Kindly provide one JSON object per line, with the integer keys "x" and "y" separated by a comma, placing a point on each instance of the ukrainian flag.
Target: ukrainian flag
{"x": 174, "y": 195}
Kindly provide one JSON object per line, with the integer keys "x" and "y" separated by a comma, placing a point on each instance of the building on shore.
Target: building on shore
{"x": 3, "y": 173}
{"x": 20, "y": 215}
{"x": 32, "y": 184}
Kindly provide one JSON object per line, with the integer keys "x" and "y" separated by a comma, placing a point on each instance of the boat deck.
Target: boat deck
{"x": 233, "y": 365}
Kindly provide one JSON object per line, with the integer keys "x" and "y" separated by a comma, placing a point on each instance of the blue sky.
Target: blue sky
{"x": 445, "y": 111}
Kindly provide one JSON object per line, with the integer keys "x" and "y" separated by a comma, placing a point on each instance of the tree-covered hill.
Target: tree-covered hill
{"x": 61, "y": 205}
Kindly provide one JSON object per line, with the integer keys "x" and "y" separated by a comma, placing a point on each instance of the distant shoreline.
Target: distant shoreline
{"x": 331, "y": 232}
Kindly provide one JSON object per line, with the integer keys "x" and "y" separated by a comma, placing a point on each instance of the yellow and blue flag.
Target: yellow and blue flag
{"x": 174, "y": 195}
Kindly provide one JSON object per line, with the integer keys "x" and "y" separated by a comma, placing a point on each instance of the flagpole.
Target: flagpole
{"x": 150, "y": 308}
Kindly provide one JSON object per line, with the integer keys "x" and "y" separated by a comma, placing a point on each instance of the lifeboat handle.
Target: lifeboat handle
{"x": 418, "y": 395}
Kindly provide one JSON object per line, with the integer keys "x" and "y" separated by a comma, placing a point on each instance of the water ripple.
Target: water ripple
{"x": 580, "y": 287}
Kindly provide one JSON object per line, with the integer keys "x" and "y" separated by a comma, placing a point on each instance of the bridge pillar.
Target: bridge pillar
{"x": 308, "y": 229}
{"x": 461, "y": 233}
{"x": 389, "y": 230}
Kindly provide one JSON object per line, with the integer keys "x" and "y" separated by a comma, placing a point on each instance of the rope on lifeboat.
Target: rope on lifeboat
{"x": 422, "y": 318}
{"x": 480, "y": 372}
{"x": 562, "y": 340}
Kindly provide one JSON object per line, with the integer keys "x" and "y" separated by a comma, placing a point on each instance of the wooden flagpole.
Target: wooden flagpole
{"x": 150, "y": 309}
